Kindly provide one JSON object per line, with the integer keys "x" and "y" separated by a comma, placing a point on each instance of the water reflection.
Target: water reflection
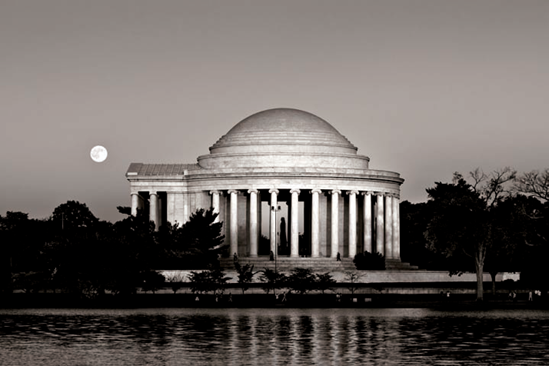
{"x": 272, "y": 337}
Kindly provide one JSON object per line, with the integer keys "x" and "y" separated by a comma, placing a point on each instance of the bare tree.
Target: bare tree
{"x": 493, "y": 186}
{"x": 353, "y": 278}
{"x": 533, "y": 183}
{"x": 176, "y": 280}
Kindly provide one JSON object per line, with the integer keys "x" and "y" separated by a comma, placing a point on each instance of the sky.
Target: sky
{"x": 424, "y": 88}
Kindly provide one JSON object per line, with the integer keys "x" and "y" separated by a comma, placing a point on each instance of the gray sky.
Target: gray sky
{"x": 424, "y": 88}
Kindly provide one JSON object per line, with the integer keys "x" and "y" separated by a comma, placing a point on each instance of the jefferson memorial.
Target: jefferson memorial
{"x": 283, "y": 181}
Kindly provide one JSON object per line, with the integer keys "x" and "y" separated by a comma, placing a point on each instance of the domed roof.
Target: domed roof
{"x": 280, "y": 137}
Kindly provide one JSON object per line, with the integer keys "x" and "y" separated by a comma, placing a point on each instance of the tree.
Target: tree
{"x": 463, "y": 225}
{"x": 90, "y": 257}
{"x": 200, "y": 282}
{"x": 352, "y": 279}
{"x": 176, "y": 281}
{"x": 272, "y": 280}
{"x": 73, "y": 215}
{"x": 124, "y": 210}
{"x": 29, "y": 281}
{"x": 324, "y": 281}
{"x": 153, "y": 281}
{"x": 168, "y": 238}
{"x": 22, "y": 242}
{"x": 245, "y": 274}
{"x": 511, "y": 227}
{"x": 218, "y": 279}
{"x": 12, "y": 226}
{"x": 534, "y": 183}
{"x": 414, "y": 218}
{"x": 301, "y": 280}
{"x": 89, "y": 261}
{"x": 199, "y": 237}
{"x": 133, "y": 252}
{"x": 212, "y": 280}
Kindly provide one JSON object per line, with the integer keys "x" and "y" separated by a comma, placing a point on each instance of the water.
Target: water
{"x": 273, "y": 337}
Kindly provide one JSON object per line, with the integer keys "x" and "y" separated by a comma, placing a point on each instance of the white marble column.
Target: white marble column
{"x": 315, "y": 224}
{"x": 396, "y": 227}
{"x": 254, "y": 233}
{"x": 233, "y": 230}
{"x": 389, "y": 226}
{"x": 367, "y": 216}
{"x": 159, "y": 209}
{"x": 180, "y": 217}
{"x": 186, "y": 207}
{"x": 295, "y": 224}
{"x": 380, "y": 234}
{"x": 334, "y": 232}
{"x": 170, "y": 207}
{"x": 135, "y": 203}
{"x": 215, "y": 204}
{"x": 274, "y": 203}
{"x": 352, "y": 223}
{"x": 153, "y": 208}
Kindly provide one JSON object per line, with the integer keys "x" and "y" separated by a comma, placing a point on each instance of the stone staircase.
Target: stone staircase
{"x": 286, "y": 264}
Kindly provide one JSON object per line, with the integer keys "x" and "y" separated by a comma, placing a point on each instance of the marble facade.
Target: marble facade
{"x": 330, "y": 199}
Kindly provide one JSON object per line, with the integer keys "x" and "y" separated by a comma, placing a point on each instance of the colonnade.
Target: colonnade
{"x": 379, "y": 220}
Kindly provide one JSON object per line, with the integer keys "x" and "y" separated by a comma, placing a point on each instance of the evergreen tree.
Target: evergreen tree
{"x": 199, "y": 239}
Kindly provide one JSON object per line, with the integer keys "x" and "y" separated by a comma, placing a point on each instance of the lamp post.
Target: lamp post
{"x": 275, "y": 209}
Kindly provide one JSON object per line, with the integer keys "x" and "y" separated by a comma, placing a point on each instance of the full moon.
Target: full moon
{"x": 98, "y": 154}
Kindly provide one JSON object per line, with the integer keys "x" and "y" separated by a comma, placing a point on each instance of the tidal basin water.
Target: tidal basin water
{"x": 273, "y": 337}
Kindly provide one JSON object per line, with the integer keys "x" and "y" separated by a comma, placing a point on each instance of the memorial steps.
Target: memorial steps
{"x": 286, "y": 264}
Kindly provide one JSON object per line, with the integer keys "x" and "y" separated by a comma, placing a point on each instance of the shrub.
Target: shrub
{"x": 369, "y": 261}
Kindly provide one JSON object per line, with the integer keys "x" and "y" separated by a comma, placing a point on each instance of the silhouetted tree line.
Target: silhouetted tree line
{"x": 486, "y": 223}
{"x": 74, "y": 252}
{"x": 483, "y": 223}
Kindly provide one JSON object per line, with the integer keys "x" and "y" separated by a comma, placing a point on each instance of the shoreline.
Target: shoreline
{"x": 148, "y": 300}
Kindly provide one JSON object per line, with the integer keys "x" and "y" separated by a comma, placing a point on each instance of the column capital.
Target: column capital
{"x": 216, "y": 192}
{"x": 253, "y": 190}
{"x": 153, "y": 193}
{"x": 316, "y": 190}
{"x": 352, "y": 191}
{"x": 273, "y": 190}
{"x": 366, "y": 193}
{"x": 134, "y": 193}
{"x": 295, "y": 190}
{"x": 382, "y": 194}
{"x": 230, "y": 191}
{"x": 335, "y": 191}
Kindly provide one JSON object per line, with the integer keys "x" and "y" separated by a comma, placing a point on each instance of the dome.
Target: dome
{"x": 283, "y": 137}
